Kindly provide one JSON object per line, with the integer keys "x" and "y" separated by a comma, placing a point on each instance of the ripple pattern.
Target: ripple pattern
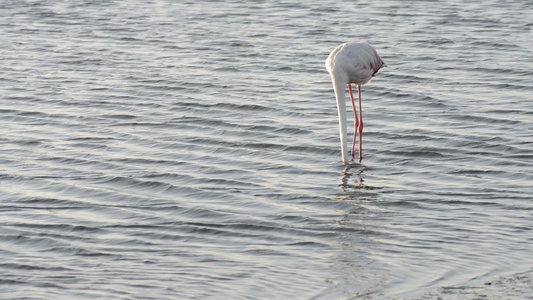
{"x": 189, "y": 150}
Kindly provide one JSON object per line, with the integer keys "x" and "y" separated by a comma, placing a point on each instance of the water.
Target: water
{"x": 189, "y": 150}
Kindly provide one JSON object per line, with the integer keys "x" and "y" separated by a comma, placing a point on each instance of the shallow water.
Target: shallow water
{"x": 161, "y": 150}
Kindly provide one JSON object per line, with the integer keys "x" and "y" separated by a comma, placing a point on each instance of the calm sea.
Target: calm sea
{"x": 168, "y": 149}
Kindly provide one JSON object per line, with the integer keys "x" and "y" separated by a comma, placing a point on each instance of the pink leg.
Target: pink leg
{"x": 360, "y": 125}
{"x": 356, "y": 124}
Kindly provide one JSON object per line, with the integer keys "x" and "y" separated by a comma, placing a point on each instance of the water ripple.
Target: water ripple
{"x": 190, "y": 150}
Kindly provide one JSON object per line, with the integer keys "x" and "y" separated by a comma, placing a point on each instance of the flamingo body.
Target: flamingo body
{"x": 351, "y": 63}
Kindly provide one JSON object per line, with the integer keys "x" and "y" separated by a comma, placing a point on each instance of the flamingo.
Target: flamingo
{"x": 357, "y": 63}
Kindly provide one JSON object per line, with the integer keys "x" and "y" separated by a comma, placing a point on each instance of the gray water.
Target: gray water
{"x": 189, "y": 150}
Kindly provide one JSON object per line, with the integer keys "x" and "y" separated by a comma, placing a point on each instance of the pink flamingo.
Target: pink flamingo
{"x": 357, "y": 63}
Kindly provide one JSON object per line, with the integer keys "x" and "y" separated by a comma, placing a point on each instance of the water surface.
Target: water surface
{"x": 189, "y": 150}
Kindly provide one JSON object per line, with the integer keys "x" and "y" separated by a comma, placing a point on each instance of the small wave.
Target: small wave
{"x": 27, "y": 267}
{"x": 120, "y": 116}
{"x": 414, "y": 153}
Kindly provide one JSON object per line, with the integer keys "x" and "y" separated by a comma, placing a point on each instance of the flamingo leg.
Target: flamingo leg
{"x": 356, "y": 124}
{"x": 360, "y": 127}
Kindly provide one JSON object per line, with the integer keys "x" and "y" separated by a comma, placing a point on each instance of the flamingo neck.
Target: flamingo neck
{"x": 339, "y": 87}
